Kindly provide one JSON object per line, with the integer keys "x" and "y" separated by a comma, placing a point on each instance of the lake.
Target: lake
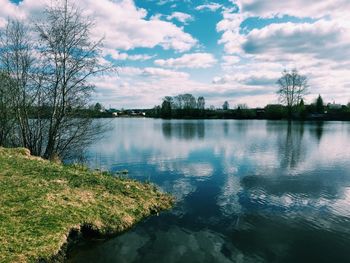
{"x": 247, "y": 191}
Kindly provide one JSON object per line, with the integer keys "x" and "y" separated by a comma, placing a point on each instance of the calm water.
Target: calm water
{"x": 247, "y": 191}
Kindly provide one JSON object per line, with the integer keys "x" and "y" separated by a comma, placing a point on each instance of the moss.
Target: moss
{"x": 43, "y": 202}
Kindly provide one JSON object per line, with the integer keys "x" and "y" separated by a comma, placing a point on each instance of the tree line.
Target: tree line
{"x": 313, "y": 111}
{"x": 45, "y": 68}
{"x": 292, "y": 89}
{"x": 188, "y": 106}
{"x": 181, "y": 105}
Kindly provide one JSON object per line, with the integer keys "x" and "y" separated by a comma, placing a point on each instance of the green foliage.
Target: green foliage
{"x": 41, "y": 202}
{"x": 98, "y": 107}
{"x": 166, "y": 109}
{"x": 319, "y": 105}
{"x": 292, "y": 87}
{"x": 226, "y": 105}
{"x": 276, "y": 112}
{"x": 201, "y": 103}
{"x": 185, "y": 102}
{"x": 175, "y": 107}
{"x": 302, "y": 110}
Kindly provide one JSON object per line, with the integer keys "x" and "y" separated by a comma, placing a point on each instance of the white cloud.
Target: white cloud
{"x": 260, "y": 78}
{"x": 230, "y": 28}
{"x": 123, "y": 25}
{"x": 145, "y": 87}
{"x": 320, "y": 40}
{"x": 153, "y": 72}
{"x": 196, "y": 60}
{"x": 7, "y": 10}
{"x": 210, "y": 6}
{"x": 125, "y": 56}
{"x": 318, "y": 46}
{"x": 181, "y": 17}
{"x": 160, "y": 72}
{"x": 126, "y": 27}
{"x": 220, "y": 80}
{"x": 229, "y": 61}
{"x": 297, "y": 8}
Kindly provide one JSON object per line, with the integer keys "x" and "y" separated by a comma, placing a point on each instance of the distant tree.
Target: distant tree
{"x": 170, "y": 100}
{"x": 166, "y": 109}
{"x": 275, "y": 112}
{"x": 212, "y": 107}
{"x": 201, "y": 103}
{"x": 184, "y": 101}
{"x": 178, "y": 102}
{"x": 292, "y": 88}
{"x": 155, "y": 112}
{"x": 189, "y": 101}
{"x": 98, "y": 107}
{"x": 319, "y": 105}
{"x": 302, "y": 109}
{"x": 226, "y": 105}
{"x": 243, "y": 112}
{"x": 242, "y": 106}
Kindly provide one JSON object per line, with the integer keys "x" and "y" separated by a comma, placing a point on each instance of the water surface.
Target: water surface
{"x": 247, "y": 191}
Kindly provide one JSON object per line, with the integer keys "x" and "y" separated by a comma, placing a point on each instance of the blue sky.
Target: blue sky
{"x": 230, "y": 50}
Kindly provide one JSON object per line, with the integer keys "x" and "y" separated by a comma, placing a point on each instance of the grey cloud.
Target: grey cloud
{"x": 298, "y": 8}
{"x": 260, "y": 81}
{"x": 323, "y": 40}
{"x": 236, "y": 93}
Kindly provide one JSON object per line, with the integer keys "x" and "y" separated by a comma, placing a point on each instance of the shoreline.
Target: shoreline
{"x": 47, "y": 208}
{"x": 78, "y": 235}
{"x": 251, "y": 119}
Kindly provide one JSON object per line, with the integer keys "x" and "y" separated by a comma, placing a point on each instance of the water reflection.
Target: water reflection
{"x": 180, "y": 244}
{"x": 226, "y": 128}
{"x": 183, "y": 129}
{"x": 247, "y": 191}
{"x": 292, "y": 148}
{"x": 318, "y": 130}
{"x": 228, "y": 200}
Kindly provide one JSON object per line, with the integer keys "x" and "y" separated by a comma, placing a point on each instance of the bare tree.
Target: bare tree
{"x": 201, "y": 103}
{"x": 292, "y": 89}
{"x": 7, "y": 114}
{"x": 50, "y": 80}
{"x": 17, "y": 61}
{"x": 185, "y": 101}
{"x": 242, "y": 106}
{"x": 226, "y": 105}
{"x": 167, "y": 105}
{"x": 71, "y": 58}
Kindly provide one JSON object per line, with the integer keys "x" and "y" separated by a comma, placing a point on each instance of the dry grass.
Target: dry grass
{"x": 41, "y": 202}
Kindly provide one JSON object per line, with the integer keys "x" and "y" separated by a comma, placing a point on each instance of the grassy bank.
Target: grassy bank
{"x": 42, "y": 202}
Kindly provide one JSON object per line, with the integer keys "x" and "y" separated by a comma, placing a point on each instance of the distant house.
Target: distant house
{"x": 126, "y": 113}
{"x": 114, "y": 112}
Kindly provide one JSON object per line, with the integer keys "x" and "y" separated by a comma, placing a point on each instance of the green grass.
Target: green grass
{"x": 41, "y": 202}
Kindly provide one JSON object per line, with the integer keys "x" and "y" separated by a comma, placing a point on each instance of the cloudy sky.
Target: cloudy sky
{"x": 230, "y": 50}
